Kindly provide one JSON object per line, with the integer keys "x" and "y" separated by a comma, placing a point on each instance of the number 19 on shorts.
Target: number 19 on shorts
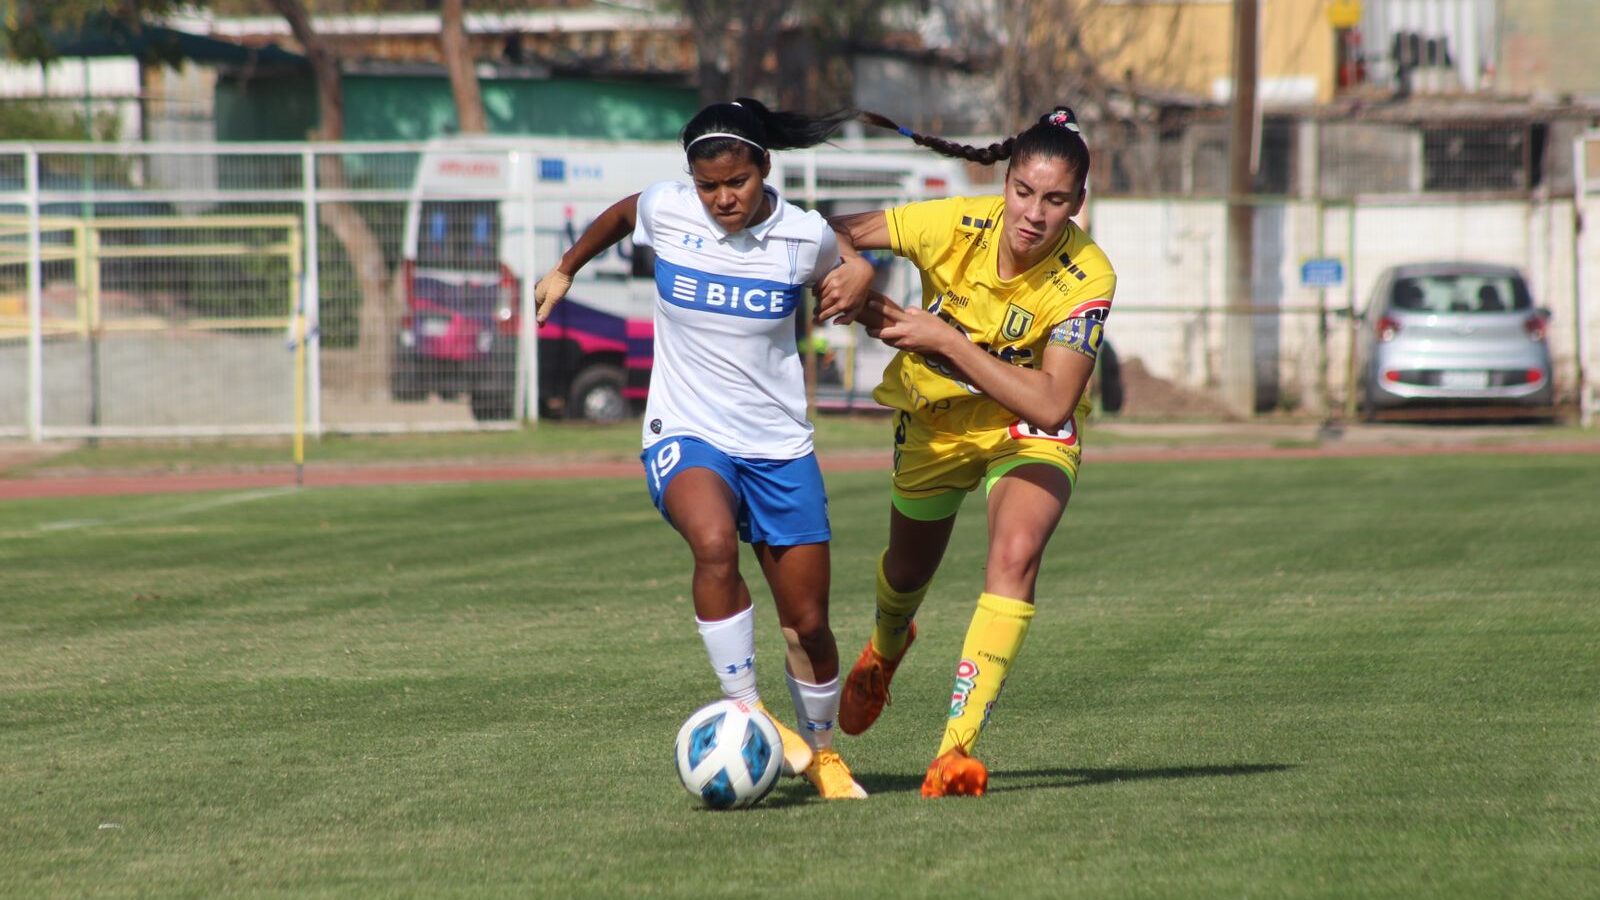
{"x": 664, "y": 461}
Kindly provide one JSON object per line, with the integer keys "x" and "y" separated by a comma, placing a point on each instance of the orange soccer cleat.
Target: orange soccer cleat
{"x": 832, "y": 777}
{"x": 955, "y": 774}
{"x": 797, "y": 755}
{"x": 866, "y": 689}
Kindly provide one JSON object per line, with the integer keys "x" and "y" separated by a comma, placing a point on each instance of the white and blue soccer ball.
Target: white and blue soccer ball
{"x": 729, "y": 754}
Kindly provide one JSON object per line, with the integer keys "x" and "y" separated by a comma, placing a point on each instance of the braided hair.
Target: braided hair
{"x": 1055, "y": 136}
{"x": 746, "y": 123}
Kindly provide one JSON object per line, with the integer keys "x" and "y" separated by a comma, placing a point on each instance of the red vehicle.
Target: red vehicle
{"x": 462, "y": 278}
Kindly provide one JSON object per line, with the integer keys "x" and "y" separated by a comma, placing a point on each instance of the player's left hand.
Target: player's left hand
{"x": 919, "y": 331}
{"x": 843, "y": 292}
{"x": 549, "y": 291}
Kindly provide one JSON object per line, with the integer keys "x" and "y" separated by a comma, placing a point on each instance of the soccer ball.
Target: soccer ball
{"x": 729, "y": 754}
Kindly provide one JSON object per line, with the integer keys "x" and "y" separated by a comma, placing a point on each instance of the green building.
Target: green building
{"x": 414, "y": 103}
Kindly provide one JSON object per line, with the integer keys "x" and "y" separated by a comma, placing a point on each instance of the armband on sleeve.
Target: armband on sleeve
{"x": 1080, "y": 334}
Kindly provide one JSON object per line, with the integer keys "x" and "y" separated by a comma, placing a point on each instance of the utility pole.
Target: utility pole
{"x": 1238, "y": 368}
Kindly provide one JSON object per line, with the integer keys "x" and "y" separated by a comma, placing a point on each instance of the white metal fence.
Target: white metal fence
{"x": 1172, "y": 292}
{"x": 160, "y": 289}
{"x": 1586, "y": 273}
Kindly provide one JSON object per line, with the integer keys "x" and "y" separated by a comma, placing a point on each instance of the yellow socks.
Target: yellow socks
{"x": 993, "y": 639}
{"x": 895, "y": 611}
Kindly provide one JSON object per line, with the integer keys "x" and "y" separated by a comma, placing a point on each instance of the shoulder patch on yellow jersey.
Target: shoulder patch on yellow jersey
{"x": 1094, "y": 309}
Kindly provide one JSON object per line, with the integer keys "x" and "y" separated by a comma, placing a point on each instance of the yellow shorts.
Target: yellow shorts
{"x": 934, "y": 470}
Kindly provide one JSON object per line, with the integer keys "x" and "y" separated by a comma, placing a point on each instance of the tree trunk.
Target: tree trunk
{"x": 709, "y": 21}
{"x": 470, "y": 118}
{"x": 761, "y": 23}
{"x": 375, "y": 319}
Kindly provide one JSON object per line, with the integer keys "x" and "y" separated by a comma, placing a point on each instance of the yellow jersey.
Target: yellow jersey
{"x": 955, "y": 244}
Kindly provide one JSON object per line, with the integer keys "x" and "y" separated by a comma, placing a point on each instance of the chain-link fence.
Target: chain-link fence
{"x": 1316, "y": 266}
{"x": 1586, "y": 275}
{"x": 242, "y": 289}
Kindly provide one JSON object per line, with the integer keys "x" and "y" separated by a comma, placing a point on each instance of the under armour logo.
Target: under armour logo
{"x": 819, "y": 726}
{"x": 736, "y": 668}
{"x": 695, "y": 241}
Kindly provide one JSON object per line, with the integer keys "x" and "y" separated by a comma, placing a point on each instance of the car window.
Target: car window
{"x": 1460, "y": 294}
{"x": 461, "y": 235}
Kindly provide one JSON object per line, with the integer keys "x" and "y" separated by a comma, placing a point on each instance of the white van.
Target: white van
{"x": 467, "y": 250}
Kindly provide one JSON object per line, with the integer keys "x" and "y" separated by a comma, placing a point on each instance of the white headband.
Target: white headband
{"x": 724, "y": 134}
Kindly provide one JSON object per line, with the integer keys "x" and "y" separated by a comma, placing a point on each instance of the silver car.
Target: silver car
{"x": 1454, "y": 334}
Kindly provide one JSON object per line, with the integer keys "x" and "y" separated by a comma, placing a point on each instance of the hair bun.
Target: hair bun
{"x": 1062, "y": 117}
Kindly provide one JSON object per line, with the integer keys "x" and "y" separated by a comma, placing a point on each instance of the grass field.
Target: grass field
{"x": 1268, "y": 678}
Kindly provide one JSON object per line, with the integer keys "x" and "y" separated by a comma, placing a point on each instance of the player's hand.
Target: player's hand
{"x": 549, "y": 291}
{"x": 877, "y": 313}
{"x": 919, "y": 331}
{"x": 843, "y": 292}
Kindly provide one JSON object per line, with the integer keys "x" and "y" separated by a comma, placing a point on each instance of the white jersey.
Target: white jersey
{"x": 726, "y": 367}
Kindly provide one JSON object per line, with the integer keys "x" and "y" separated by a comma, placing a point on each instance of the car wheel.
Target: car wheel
{"x": 491, "y": 405}
{"x": 1111, "y": 393}
{"x": 405, "y": 383}
{"x": 596, "y": 395}
{"x": 1368, "y": 404}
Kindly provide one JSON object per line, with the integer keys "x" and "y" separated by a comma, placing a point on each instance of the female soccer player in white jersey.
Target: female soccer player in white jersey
{"x": 989, "y": 389}
{"x": 727, "y": 446}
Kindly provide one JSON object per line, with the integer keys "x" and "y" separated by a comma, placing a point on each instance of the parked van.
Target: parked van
{"x": 467, "y": 250}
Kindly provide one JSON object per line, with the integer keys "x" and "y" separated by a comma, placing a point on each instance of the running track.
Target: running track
{"x": 317, "y": 476}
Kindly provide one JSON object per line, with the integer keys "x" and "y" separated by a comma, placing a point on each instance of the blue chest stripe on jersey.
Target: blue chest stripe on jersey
{"x": 750, "y": 298}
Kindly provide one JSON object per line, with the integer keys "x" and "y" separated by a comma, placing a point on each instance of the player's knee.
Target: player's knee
{"x": 714, "y": 549}
{"x": 806, "y": 625}
{"x": 1014, "y": 557}
{"x": 810, "y": 635}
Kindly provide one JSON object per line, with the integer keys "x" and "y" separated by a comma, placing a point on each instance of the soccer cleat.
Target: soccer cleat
{"x": 796, "y": 752}
{"x": 866, "y": 689}
{"x": 832, "y": 777}
{"x": 955, "y": 774}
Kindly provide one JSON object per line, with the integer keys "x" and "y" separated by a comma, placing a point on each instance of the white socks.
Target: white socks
{"x": 731, "y": 646}
{"x": 817, "y": 706}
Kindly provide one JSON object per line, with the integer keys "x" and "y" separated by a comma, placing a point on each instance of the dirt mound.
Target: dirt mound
{"x": 1148, "y": 397}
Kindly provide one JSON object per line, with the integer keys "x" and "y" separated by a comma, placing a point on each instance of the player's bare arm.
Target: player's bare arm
{"x": 1044, "y": 397}
{"x": 610, "y": 227}
{"x": 864, "y": 230}
{"x": 844, "y": 290}
{"x": 842, "y": 293}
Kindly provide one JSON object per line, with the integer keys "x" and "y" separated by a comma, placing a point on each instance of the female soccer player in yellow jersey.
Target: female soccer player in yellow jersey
{"x": 989, "y": 389}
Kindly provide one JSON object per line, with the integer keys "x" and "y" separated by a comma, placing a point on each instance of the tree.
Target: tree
{"x": 457, "y": 52}
{"x": 375, "y": 321}
{"x": 794, "y": 50}
{"x": 1094, "y": 55}
{"x": 27, "y": 29}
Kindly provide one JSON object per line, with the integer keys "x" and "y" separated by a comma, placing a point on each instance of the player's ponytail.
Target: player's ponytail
{"x": 987, "y": 156}
{"x": 1056, "y": 135}
{"x": 745, "y": 122}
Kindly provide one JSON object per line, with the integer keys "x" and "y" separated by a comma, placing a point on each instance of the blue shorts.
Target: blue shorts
{"x": 781, "y": 502}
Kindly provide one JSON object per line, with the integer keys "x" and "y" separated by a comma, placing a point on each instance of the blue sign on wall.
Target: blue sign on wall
{"x": 1321, "y": 273}
{"x": 552, "y": 169}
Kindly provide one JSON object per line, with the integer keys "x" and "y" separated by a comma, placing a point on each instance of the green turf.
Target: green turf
{"x": 1318, "y": 678}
